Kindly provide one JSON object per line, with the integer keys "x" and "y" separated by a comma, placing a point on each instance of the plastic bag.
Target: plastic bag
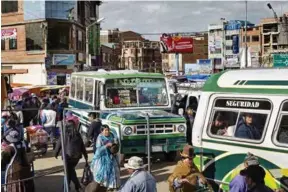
{"x": 87, "y": 175}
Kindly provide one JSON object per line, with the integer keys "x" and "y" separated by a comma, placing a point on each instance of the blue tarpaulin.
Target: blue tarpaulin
{"x": 198, "y": 77}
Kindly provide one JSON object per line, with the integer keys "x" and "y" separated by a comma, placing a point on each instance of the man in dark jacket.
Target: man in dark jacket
{"x": 94, "y": 129}
{"x": 246, "y": 129}
{"x": 254, "y": 176}
{"x": 74, "y": 148}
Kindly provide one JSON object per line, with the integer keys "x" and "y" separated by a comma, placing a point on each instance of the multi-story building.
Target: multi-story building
{"x": 134, "y": 52}
{"x": 254, "y": 44}
{"x": 216, "y": 42}
{"x": 224, "y": 43}
{"x": 45, "y": 37}
{"x": 142, "y": 55}
{"x": 274, "y": 35}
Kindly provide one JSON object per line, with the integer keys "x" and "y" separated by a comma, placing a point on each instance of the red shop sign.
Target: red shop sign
{"x": 9, "y": 33}
{"x": 176, "y": 44}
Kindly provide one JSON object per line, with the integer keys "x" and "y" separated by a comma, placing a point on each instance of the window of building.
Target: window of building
{"x": 80, "y": 44}
{"x": 12, "y": 43}
{"x": 228, "y": 47}
{"x": 9, "y": 6}
{"x": 58, "y": 37}
{"x": 73, "y": 86}
{"x": 34, "y": 41}
{"x": 282, "y": 133}
{"x": 228, "y": 37}
{"x": 240, "y": 118}
{"x": 248, "y": 39}
{"x": 217, "y": 61}
{"x": 79, "y": 88}
{"x": 2, "y": 44}
{"x": 255, "y": 38}
{"x": 89, "y": 90}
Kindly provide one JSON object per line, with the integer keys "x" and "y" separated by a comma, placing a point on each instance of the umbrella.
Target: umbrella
{"x": 18, "y": 92}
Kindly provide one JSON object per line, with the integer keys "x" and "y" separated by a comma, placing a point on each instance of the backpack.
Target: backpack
{"x": 74, "y": 146}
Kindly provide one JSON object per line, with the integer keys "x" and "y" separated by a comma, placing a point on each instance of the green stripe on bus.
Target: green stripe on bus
{"x": 269, "y": 83}
{"x": 247, "y": 146}
{"x": 211, "y": 85}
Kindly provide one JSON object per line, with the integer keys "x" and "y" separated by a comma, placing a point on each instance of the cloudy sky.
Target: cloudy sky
{"x": 181, "y": 16}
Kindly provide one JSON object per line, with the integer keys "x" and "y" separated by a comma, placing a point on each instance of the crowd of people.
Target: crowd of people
{"x": 105, "y": 165}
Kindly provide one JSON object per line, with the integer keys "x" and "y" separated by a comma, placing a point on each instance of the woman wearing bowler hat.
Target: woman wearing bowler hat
{"x": 185, "y": 175}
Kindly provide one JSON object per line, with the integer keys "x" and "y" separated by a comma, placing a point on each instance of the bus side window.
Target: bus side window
{"x": 73, "y": 87}
{"x": 240, "y": 122}
{"x": 282, "y": 133}
{"x": 89, "y": 90}
{"x": 79, "y": 88}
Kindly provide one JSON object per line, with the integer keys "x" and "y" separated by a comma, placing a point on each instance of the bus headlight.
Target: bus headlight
{"x": 181, "y": 128}
{"x": 128, "y": 130}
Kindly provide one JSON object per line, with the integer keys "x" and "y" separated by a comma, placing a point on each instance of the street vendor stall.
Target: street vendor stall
{"x": 5, "y": 85}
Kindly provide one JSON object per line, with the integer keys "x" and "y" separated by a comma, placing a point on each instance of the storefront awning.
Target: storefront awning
{"x": 13, "y": 71}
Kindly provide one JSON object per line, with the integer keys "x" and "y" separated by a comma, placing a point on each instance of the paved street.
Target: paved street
{"x": 161, "y": 171}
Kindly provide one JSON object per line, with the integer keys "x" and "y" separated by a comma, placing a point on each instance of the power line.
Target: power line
{"x": 159, "y": 33}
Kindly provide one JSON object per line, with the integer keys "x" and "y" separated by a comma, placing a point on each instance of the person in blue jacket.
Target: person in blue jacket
{"x": 246, "y": 129}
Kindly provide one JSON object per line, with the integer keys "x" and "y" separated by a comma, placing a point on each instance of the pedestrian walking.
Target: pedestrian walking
{"x": 140, "y": 180}
{"x": 94, "y": 129}
{"x": 185, "y": 175}
{"x": 254, "y": 177}
{"x": 105, "y": 165}
{"x": 74, "y": 150}
{"x": 48, "y": 120}
{"x": 238, "y": 184}
{"x": 15, "y": 163}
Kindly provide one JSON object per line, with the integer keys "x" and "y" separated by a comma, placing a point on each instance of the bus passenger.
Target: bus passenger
{"x": 218, "y": 124}
{"x": 246, "y": 129}
{"x": 189, "y": 116}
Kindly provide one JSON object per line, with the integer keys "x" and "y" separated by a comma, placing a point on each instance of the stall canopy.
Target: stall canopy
{"x": 13, "y": 71}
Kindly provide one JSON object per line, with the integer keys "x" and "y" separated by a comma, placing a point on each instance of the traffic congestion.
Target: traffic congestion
{"x": 111, "y": 110}
{"x": 144, "y": 96}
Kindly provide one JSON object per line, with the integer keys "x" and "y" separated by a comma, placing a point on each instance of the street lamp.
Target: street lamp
{"x": 270, "y": 7}
{"x": 97, "y": 22}
{"x": 246, "y": 46}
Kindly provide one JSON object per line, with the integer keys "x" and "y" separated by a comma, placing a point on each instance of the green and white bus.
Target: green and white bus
{"x": 124, "y": 99}
{"x": 240, "y": 101}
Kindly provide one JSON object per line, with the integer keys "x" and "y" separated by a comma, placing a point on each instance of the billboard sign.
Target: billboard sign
{"x": 280, "y": 60}
{"x": 176, "y": 44}
{"x": 191, "y": 68}
{"x": 9, "y": 33}
{"x": 64, "y": 59}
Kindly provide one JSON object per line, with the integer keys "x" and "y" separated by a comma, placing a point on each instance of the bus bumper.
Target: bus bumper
{"x": 157, "y": 145}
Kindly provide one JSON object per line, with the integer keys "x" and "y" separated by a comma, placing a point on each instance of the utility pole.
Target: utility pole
{"x": 246, "y": 47}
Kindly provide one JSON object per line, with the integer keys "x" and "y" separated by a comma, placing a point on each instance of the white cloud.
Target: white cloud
{"x": 182, "y": 16}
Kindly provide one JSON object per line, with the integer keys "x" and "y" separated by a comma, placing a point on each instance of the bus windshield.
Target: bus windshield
{"x": 136, "y": 92}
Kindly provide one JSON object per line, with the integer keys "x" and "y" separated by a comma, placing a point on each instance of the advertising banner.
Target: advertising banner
{"x": 64, "y": 59}
{"x": 235, "y": 44}
{"x": 10, "y": 33}
{"x": 191, "y": 68}
{"x": 51, "y": 78}
{"x": 176, "y": 44}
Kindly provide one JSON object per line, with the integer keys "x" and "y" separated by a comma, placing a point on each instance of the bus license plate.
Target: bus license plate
{"x": 157, "y": 148}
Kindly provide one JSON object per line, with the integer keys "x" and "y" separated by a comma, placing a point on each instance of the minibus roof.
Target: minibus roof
{"x": 257, "y": 81}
